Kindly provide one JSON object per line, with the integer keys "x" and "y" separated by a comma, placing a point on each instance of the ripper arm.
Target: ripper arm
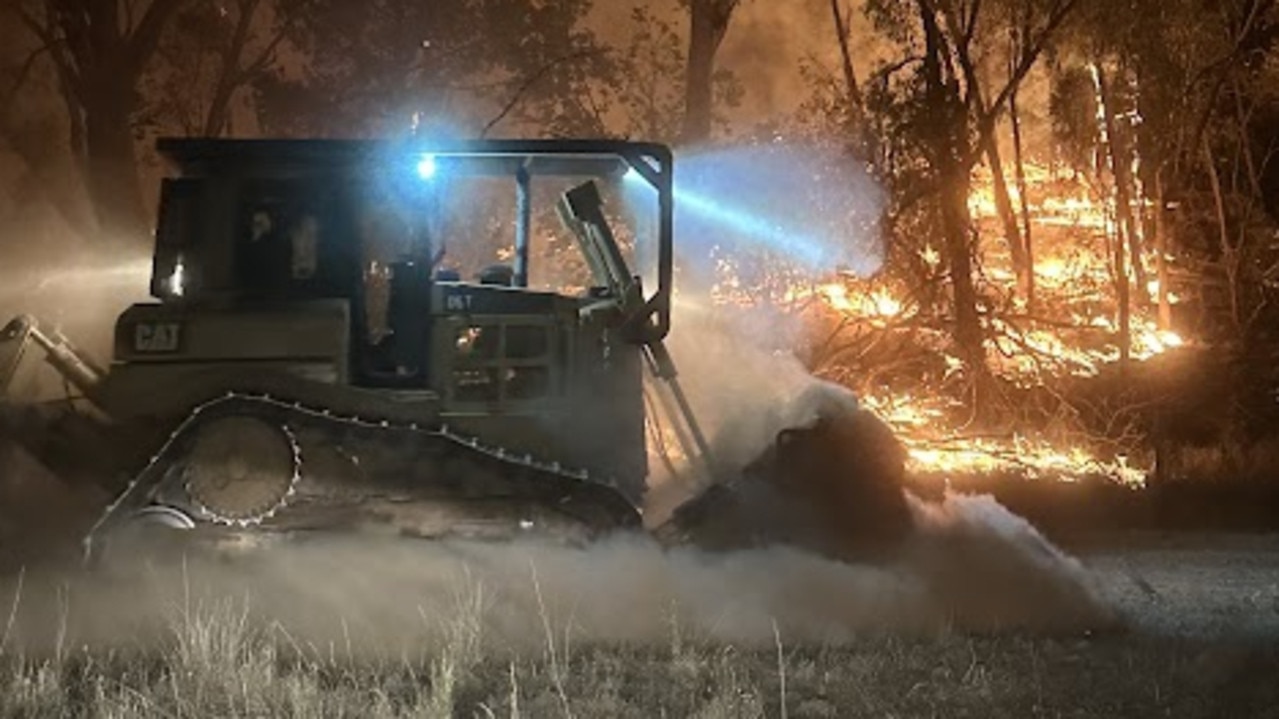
{"x": 74, "y": 366}
{"x": 581, "y": 210}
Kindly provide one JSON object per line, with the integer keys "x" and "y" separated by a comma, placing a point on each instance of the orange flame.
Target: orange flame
{"x": 1073, "y": 276}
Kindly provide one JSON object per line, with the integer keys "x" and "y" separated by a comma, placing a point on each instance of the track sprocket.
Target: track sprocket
{"x": 241, "y": 469}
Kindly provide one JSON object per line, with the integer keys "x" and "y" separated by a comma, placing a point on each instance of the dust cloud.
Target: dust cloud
{"x": 79, "y": 298}
{"x": 973, "y": 567}
{"x": 970, "y": 564}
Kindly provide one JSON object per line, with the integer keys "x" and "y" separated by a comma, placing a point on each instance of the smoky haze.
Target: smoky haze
{"x": 768, "y": 218}
{"x": 972, "y": 567}
{"x": 764, "y": 46}
{"x": 776, "y": 209}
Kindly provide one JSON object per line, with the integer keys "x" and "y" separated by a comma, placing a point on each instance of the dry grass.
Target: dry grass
{"x": 523, "y": 637}
{"x": 217, "y": 660}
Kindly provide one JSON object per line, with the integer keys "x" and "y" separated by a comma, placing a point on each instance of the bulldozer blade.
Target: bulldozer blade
{"x": 835, "y": 487}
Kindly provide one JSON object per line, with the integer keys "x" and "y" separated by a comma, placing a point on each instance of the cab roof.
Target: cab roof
{"x": 577, "y": 158}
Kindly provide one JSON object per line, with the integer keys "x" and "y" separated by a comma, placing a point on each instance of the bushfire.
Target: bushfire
{"x": 1071, "y": 330}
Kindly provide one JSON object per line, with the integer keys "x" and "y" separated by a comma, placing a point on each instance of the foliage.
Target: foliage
{"x": 211, "y": 51}
{"x": 646, "y": 85}
{"x": 373, "y": 67}
{"x": 1072, "y": 107}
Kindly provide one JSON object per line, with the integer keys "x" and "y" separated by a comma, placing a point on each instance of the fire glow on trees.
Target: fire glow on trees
{"x": 1072, "y": 332}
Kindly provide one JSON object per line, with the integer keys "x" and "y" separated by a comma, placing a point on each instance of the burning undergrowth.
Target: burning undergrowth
{"x": 1062, "y": 337}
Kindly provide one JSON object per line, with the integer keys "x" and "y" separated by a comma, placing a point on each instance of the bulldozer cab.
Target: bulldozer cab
{"x": 403, "y": 279}
{"x": 375, "y": 225}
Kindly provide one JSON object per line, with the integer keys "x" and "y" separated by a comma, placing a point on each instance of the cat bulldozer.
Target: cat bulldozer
{"x": 316, "y": 361}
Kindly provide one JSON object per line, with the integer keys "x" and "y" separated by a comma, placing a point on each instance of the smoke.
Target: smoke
{"x": 972, "y": 568}
{"x": 764, "y": 47}
{"x": 970, "y": 564}
{"x": 80, "y": 298}
{"x": 763, "y": 218}
{"x": 771, "y": 208}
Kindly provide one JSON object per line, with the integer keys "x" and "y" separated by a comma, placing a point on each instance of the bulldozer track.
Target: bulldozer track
{"x": 571, "y": 491}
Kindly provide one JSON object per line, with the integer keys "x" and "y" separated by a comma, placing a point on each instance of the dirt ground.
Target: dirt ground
{"x": 1219, "y": 587}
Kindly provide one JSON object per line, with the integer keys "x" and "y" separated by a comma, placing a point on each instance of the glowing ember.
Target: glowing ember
{"x": 1033, "y": 459}
{"x": 877, "y": 305}
{"x": 916, "y": 422}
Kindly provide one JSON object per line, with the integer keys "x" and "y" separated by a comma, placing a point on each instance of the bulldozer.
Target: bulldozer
{"x": 312, "y": 362}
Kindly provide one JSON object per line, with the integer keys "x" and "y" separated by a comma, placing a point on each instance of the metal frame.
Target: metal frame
{"x": 521, "y": 160}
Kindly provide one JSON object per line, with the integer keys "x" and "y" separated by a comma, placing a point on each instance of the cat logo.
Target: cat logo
{"x": 156, "y": 336}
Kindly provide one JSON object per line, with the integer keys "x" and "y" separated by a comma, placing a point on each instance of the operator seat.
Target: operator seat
{"x": 501, "y": 275}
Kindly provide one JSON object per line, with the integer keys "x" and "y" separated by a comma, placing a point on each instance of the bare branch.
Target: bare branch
{"x": 597, "y": 113}
{"x": 64, "y": 63}
{"x": 842, "y": 30}
{"x": 264, "y": 58}
{"x": 24, "y": 72}
{"x": 528, "y": 84}
{"x": 1223, "y": 67}
{"x": 970, "y": 27}
{"x": 31, "y": 23}
{"x": 1030, "y": 55}
{"x": 883, "y": 74}
{"x": 142, "y": 41}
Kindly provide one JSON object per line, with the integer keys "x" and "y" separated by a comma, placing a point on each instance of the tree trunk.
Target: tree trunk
{"x": 1123, "y": 300}
{"x": 230, "y": 77}
{"x": 1161, "y": 254}
{"x": 956, "y": 226}
{"x": 1229, "y": 253}
{"x": 99, "y": 53}
{"x": 709, "y": 23}
{"x": 846, "y": 55}
{"x": 112, "y": 168}
{"x": 1026, "y": 281}
{"x": 987, "y": 143}
{"x": 858, "y": 132}
{"x": 217, "y": 118}
{"x": 1121, "y": 171}
{"x": 948, "y": 120}
{"x": 1123, "y": 224}
{"x": 1004, "y": 207}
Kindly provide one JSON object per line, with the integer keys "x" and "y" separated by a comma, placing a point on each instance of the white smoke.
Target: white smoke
{"x": 970, "y": 562}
